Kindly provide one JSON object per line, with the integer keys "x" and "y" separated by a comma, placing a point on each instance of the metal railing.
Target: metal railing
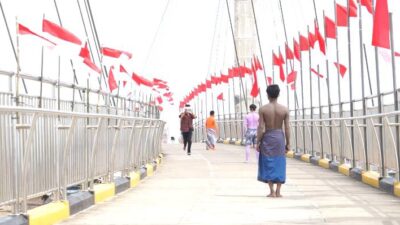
{"x": 330, "y": 138}
{"x": 46, "y": 151}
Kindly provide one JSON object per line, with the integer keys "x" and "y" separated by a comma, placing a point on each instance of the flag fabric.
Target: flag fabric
{"x": 84, "y": 53}
{"x": 159, "y": 100}
{"x": 254, "y": 90}
{"x": 257, "y": 63}
{"x": 220, "y": 97}
{"x": 122, "y": 69}
{"x": 59, "y": 32}
{"x": 342, "y": 69}
{"x": 224, "y": 78}
{"x": 304, "y": 44}
{"x": 114, "y": 53}
{"x": 320, "y": 39}
{"x": 353, "y": 9}
{"x": 276, "y": 60}
{"x": 316, "y": 73}
{"x": 296, "y": 49}
{"x": 281, "y": 73}
{"x": 291, "y": 77}
{"x": 341, "y": 16}
{"x": 269, "y": 80}
{"x": 289, "y": 52}
{"x": 293, "y": 86}
{"x": 380, "y": 34}
{"x": 208, "y": 83}
{"x": 330, "y": 28}
{"x": 367, "y": 4}
{"x": 311, "y": 39}
{"x": 91, "y": 65}
{"x": 23, "y": 30}
{"x": 112, "y": 84}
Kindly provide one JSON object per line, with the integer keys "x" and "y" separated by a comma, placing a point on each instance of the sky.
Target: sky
{"x": 184, "y": 41}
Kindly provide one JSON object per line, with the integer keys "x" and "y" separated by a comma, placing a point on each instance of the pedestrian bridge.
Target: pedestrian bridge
{"x": 82, "y": 168}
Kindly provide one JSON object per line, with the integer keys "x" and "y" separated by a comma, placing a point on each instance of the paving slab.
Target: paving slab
{"x": 218, "y": 187}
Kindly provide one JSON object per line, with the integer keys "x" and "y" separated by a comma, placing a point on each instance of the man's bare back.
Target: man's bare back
{"x": 273, "y": 116}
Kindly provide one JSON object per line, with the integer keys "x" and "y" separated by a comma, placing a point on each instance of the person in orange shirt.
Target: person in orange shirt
{"x": 211, "y": 131}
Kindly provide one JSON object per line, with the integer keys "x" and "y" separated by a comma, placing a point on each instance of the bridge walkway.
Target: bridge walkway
{"x": 217, "y": 187}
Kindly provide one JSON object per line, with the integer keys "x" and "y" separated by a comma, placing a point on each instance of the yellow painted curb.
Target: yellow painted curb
{"x": 397, "y": 189}
{"x": 371, "y": 178}
{"x": 49, "y": 214}
{"x": 239, "y": 142}
{"x": 103, "y": 192}
{"x": 134, "y": 179}
{"x": 305, "y": 157}
{"x": 324, "y": 163}
{"x": 150, "y": 169}
{"x": 344, "y": 169}
{"x": 290, "y": 154}
{"x": 226, "y": 142}
{"x": 158, "y": 160}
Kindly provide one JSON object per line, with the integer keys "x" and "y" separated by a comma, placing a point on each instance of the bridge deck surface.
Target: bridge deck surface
{"x": 217, "y": 187}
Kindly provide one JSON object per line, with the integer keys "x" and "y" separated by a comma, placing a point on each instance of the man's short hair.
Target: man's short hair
{"x": 273, "y": 91}
{"x": 253, "y": 107}
{"x": 212, "y": 113}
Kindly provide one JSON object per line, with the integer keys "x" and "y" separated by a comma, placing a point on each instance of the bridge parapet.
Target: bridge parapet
{"x": 47, "y": 151}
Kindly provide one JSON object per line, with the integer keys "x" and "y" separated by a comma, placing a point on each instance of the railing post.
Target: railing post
{"x": 62, "y": 189}
{"x": 94, "y": 151}
{"x": 113, "y": 150}
{"x": 25, "y": 161}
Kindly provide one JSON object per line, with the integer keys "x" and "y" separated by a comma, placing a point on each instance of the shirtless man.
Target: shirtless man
{"x": 271, "y": 142}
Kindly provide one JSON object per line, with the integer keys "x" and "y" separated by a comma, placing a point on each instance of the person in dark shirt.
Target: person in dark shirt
{"x": 187, "y": 128}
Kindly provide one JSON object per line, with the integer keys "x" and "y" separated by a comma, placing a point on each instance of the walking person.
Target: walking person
{"x": 187, "y": 118}
{"x": 271, "y": 142}
{"x": 250, "y": 124}
{"x": 211, "y": 131}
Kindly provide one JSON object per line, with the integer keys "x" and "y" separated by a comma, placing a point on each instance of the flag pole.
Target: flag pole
{"x": 320, "y": 115}
{"x": 302, "y": 99}
{"x": 350, "y": 86}
{"x": 16, "y": 54}
{"x": 230, "y": 113}
{"x": 311, "y": 91}
{"x": 75, "y": 79}
{"x": 41, "y": 76}
{"x": 273, "y": 68}
{"x": 236, "y": 55}
{"x": 218, "y": 111}
{"x": 338, "y": 78}
{"x": 364, "y": 105}
{"x": 395, "y": 91}
{"x": 259, "y": 43}
{"x": 368, "y": 74}
{"x": 380, "y": 108}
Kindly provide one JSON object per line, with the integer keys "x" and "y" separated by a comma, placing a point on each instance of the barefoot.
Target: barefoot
{"x": 272, "y": 195}
{"x": 278, "y": 195}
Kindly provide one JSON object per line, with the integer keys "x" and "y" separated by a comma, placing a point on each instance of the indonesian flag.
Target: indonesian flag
{"x": 380, "y": 35}
{"x": 304, "y": 43}
{"x": 159, "y": 100}
{"x": 59, "y": 32}
{"x": 23, "y": 30}
{"x": 367, "y": 4}
{"x": 220, "y": 96}
{"x": 224, "y": 78}
{"x": 84, "y": 53}
{"x": 114, "y": 53}
{"x": 311, "y": 39}
{"x": 111, "y": 80}
{"x": 296, "y": 49}
{"x": 320, "y": 39}
{"x": 342, "y": 69}
{"x": 289, "y": 52}
{"x": 269, "y": 80}
{"x": 291, "y": 77}
{"x": 341, "y": 16}
{"x": 254, "y": 90}
{"x": 330, "y": 28}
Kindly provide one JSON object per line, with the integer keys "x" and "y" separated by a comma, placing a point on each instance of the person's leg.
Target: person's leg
{"x": 271, "y": 190}
{"x": 247, "y": 152}
{"x": 189, "y": 142}
{"x": 278, "y": 190}
{"x": 184, "y": 135}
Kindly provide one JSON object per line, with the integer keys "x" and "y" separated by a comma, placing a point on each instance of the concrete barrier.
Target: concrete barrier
{"x": 49, "y": 214}
{"x": 79, "y": 201}
{"x": 103, "y": 192}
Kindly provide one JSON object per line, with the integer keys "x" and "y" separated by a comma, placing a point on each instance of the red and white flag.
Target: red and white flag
{"x": 115, "y": 53}
{"x": 23, "y": 30}
{"x": 60, "y": 32}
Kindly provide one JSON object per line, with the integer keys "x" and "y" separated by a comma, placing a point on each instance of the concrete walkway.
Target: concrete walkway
{"x": 217, "y": 187}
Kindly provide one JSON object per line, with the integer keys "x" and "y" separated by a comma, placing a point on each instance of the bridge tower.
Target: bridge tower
{"x": 245, "y": 39}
